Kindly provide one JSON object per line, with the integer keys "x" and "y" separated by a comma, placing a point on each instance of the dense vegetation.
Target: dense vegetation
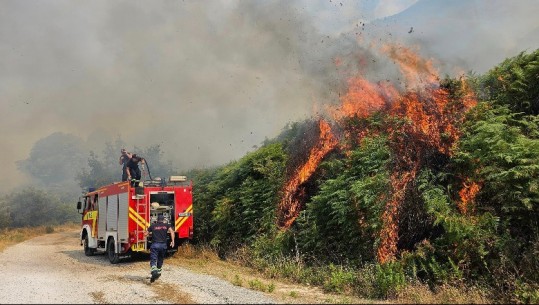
{"x": 490, "y": 241}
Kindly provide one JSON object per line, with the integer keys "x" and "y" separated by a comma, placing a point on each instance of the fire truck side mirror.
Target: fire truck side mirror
{"x": 79, "y": 205}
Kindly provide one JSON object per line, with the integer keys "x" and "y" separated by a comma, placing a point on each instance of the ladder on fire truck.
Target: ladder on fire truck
{"x": 142, "y": 209}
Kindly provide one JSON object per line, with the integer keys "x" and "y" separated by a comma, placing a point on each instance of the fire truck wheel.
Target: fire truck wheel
{"x": 87, "y": 250}
{"x": 114, "y": 258}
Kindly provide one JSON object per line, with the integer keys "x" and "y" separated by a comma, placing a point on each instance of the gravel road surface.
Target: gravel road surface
{"x": 52, "y": 269}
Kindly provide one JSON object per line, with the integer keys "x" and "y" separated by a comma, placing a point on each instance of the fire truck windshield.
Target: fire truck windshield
{"x": 164, "y": 198}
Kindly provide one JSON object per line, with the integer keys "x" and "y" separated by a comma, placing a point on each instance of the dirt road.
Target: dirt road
{"x": 53, "y": 269}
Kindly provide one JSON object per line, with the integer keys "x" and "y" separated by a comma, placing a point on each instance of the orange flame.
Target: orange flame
{"x": 290, "y": 205}
{"x": 432, "y": 126}
{"x": 467, "y": 196}
{"x": 371, "y": 97}
{"x": 389, "y": 233}
{"x": 416, "y": 70}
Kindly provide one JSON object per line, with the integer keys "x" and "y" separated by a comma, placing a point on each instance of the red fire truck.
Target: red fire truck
{"x": 115, "y": 216}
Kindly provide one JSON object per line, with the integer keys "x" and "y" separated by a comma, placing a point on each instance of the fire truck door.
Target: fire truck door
{"x": 123, "y": 212}
{"x": 102, "y": 217}
{"x": 112, "y": 213}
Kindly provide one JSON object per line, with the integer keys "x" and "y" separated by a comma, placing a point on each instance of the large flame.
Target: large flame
{"x": 418, "y": 72}
{"x": 290, "y": 204}
{"x": 373, "y": 97}
{"x": 431, "y": 126}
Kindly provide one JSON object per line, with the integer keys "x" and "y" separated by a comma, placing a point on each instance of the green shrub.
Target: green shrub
{"x": 339, "y": 279}
{"x": 256, "y": 284}
{"x": 237, "y": 281}
{"x": 527, "y": 293}
{"x": 271, "y": 287}
{"x": 389, "y": 279}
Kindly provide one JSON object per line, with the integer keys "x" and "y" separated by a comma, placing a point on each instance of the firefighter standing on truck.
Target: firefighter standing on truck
{"x": 132, "y": 169}
{"x": 159, "y": 232}
{"x": 124, "y": 157}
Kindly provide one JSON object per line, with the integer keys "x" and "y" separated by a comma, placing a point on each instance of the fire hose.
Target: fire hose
{"x": 147, "y": 167}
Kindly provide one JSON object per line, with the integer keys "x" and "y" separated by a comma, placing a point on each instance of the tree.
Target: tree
{"x": 34, "y": 207}
{"x": 155, "y": 164}
{"x": 54, "y": 159}
{"x": 105, "y": 168}
{"x": 102, "y": 169}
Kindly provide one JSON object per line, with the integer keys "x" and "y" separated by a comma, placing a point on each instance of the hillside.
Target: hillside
{"x": 435, "y": 183}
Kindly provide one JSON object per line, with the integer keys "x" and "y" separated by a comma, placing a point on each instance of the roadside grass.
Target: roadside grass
{"x": 204, "y": 259}
{"x": 445, "y": 294}
{"x": 11, "y": 236}
{"x": 293, "y": 282}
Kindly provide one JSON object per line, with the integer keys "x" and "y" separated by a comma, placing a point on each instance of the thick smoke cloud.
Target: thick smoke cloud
{"x": 206, "y": 80}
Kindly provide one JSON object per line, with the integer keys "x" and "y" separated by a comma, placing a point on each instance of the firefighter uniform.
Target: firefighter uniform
{"x": 159, "y": 231}
{"x": 132, "y": 169}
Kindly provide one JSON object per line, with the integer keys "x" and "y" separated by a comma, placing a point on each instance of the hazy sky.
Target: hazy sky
{"x": 207, "y": 80}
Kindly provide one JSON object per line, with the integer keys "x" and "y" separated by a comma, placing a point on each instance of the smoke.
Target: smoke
{"x": 206, "y": 80}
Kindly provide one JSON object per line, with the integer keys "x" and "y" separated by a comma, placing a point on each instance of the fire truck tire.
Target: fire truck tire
{"x": 114, "y": 258}
{"x": 87, "y": 250}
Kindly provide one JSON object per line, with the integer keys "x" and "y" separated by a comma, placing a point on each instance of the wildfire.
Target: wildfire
{"x": 373, "y": 97}
{"x": 431, "y": 127}
{"x": 290, "y": 205}
{"x": 467, "y": 195}
{"x": 390, "y": 225}
{"x": 417, "y": 71}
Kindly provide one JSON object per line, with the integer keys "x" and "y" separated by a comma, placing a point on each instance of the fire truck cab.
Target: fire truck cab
{"x": 115, "y": 216}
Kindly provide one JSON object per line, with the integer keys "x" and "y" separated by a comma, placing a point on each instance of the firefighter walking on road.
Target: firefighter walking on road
{"x": 159, "y": 231}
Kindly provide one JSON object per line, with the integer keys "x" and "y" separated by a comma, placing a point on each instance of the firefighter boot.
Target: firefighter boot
{"x": 155, "y": 274}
